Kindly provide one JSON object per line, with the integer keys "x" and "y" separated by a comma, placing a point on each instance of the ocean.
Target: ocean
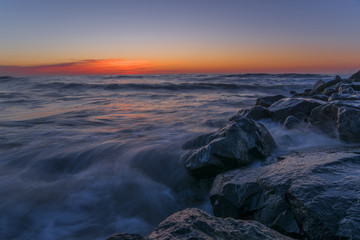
{"x": 83, "y": 157}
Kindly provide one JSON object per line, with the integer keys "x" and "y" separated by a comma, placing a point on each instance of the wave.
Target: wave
{"x": 165, "y": 86}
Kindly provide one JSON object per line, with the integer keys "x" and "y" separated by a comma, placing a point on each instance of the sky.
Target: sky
{"x": 172, "y": 36}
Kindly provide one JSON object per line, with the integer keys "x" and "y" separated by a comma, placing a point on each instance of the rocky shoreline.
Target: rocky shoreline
{"x": 312, "y": 194}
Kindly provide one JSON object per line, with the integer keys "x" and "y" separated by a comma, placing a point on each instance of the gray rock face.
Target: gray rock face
{"x": 125, "y": 236}
{"x": 339, "y": 118}
{"x": 348, "y": 124}
{"x": 324, "y": 118}
{"x": 237, "y": 144}
{"x": 283, "y": 108}
{"x": 267, "y": 101}
{"x": 256, "y": 113}
{"x": 311, "y": 195}
{"x": 196, "y": 224}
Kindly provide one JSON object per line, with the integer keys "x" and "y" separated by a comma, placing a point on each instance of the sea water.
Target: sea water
{"x": 82, "y": 157}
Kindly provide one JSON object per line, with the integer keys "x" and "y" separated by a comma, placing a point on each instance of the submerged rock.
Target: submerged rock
{"x": 283, "y": 108}
{"x": 267, "y": 101}
{"x": 308, "y": 195}
{"x": 239, "y": 143}
{"x": 194, "y": 224}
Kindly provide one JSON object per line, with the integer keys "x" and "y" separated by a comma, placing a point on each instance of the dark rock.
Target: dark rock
{"x": 292, "y": 92}
{"x": 329, "y": 84}
{"x": 239, "y": 143}
{"x": 267, "y": 101}
{"x": 343, "y": 97}
{"x": 337, "y": 77}
{"x": 291, "y": 122}
{"x": 199, "y": 141}
{"x": 339, "y": 118}
{"x": 324, "y": 118}
{"x": 307, "y": 93}
{"x": 356, "y": 86}
{"x": 348, "y": 124}
{"x": 346, "y": 89}
{"x": 321, "y": 97}
{"x": 196, "y": 224}
{"x": 330, "y": 91}
{"x": 308, "y": 195}
{"x": 283, "y": 108}
{"x": 356, "y": 77}
{"x": 318, "y": 84}
{"x": 256, "y": 113}
{"x": 125, "y": 236}
{"x": 301, "y": 116}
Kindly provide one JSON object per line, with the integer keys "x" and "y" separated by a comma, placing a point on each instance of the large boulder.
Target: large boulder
{"x": 285, "y": 107}
{"x": 338, "y": 119}
{"x": 256, "y": 113}
{"x": 239, "y": 143}
{"x": 307, "y": 195}
{"x": 267, "y": 101}
{"x": 320, "y": 88}
{"x": 193, "y": 223}
{"x": 348, "y": 124}
{"x": 356, "y": 77}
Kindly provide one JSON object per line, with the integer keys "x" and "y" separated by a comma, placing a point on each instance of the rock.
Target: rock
{"x": 309, "y": 195}
{"x": 199, "y": 141}
{"x": 330, "y": 91}
{"x": 324, "y": 118}
{"x": 125, "y": 236}
{"x": 194, "y": 224}
{"x": 267, "y": 101}
{"x": 338, "y": 118}
{"x": 329, "y": 84}
{"x": 239, "y": 143}
{"x": 292, "y": 92}
{"x": 321, "y": 97}
{"x": 318, "y": 84}
{"x": 356, "y": 77}
{"x": 256, "y": 113}
{"x": 343, "y": 97}
{"x": 285, "y": 107}
{"x": 348, "y": 124}
{"x": 291, "y": 122}
{"x": 346, "y": 89}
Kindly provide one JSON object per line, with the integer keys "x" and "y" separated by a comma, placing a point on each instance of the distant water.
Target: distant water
{"x": 87, "y": 156}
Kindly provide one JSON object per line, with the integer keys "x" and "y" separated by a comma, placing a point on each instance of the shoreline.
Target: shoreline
{"x": 289, "y": 194}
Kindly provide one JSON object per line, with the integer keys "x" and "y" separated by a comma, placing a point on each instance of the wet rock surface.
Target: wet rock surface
{"x": 283, "y": 108}
{"x": 193, "y": 223}
{"x": 267, "y": 101}
{"x": 338, "y": 119}
{"x": 308, "y": 195}
{"x": 356, "y": 77}
{"x": 256, "y": 113}
{"x": 239, "y": 143}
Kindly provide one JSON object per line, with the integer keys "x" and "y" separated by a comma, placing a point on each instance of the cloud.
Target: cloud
{"x": 83, "y": 67}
